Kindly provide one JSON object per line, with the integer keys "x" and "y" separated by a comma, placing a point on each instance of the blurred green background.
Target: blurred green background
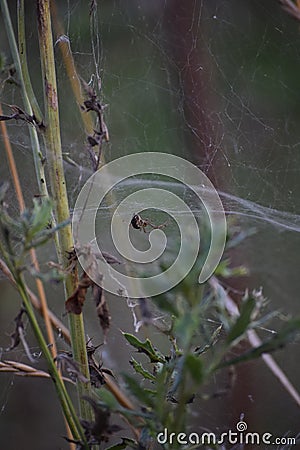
{"x": 216, "y": 82}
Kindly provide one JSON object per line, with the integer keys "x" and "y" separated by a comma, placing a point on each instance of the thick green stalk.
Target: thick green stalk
{"x": 32, "y": 107}
{"x": 59, "y": 192}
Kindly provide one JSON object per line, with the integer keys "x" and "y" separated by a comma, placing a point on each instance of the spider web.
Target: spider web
{"x": 217, "y": 83}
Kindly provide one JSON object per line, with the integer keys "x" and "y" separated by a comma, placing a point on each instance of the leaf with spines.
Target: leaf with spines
{"x": 145, "y": 347}
{"x": 141, "y": 370}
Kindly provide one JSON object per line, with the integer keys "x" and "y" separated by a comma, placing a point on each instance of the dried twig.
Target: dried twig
{"x": 24, "y": 370}
{"x": 99, "y": 136}
{"x": 19, "y": 114}
{"x": 75, "y": 302}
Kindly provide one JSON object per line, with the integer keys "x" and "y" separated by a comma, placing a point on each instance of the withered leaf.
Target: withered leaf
{"x": 101, "y": 308}
{"x": 96, "y": 376}
{"x": 92, "y": 141}
{"x": 92, "y": 103}
{"x": 15, "y": 336}
{"x": 75, "y": 302}
{"x": 100, "y": 429}
{"x": 96, "y": 369}
{"x": 19, "y": 114}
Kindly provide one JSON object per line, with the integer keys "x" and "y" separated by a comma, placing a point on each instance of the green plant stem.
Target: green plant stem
{"x": 23, "y": 62}
{"x": 59, "y": 193}
{"x": 62, "y": 393}
{"x": 183, "y": 394}
{"x": 32, "y": 131}
{"x": 30, "y": 100}
{"x": 66, "y": 403}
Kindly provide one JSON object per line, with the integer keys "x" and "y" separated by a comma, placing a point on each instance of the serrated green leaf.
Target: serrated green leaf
{"x": 285, "y": 336}
{"x": 141, "y": 370}
{"x": 144, "y": 347}
{"x": 242, "y": 322}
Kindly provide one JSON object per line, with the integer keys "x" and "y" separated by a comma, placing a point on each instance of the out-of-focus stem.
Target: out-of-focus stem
{"x": 20, "y": 198}
{"x": 23, "y": 62}
{"x": 64, "y": 45}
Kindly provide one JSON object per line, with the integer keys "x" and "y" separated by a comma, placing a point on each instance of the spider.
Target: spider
{"x": 141, "y": 224}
